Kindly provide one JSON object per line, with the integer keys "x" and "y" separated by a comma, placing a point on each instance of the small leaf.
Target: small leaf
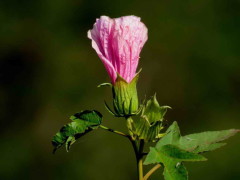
{"x": 91, "y": 118}
{"x": 83, "y": 123}
{"x": 66, "y": 134}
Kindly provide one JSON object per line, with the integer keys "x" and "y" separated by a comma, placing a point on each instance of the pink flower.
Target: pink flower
{"x": 118, "y": 43}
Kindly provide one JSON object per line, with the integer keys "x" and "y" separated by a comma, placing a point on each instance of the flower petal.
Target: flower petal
{"x": 100, "y": 42}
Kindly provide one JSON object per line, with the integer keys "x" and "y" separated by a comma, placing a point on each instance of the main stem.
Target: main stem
{"x": 140, "y": 169}
{"x": 140, "y": 160}
{"x": 138, "y": 149}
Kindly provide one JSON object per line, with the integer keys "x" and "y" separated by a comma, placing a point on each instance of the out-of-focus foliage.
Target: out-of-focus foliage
{"x": 49, "y": 71}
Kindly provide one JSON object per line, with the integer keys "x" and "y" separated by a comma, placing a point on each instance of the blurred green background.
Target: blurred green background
{"x": 48, "y": 71}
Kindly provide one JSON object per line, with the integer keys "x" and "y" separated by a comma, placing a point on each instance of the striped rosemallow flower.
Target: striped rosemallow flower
{"x": 118, "y": 43}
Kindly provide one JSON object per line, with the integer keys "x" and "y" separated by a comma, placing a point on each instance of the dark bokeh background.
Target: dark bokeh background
{"x": 48, "y": 71}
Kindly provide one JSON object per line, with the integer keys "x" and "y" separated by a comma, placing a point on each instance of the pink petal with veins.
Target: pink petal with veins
{"x": 118, "y": 43}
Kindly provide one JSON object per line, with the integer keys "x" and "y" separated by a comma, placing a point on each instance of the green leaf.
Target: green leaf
{"x": 175, "y": 172}
{"x": 90, "y": 118}
{"x": 158, "y": 155}
{"x": 199, "y": 142}
{"x": 172, "y": 157}
{"x": 83, "y": 122}
{"x": 173, "y": 149}
{"x": 172, "y": 136}
{"x": 205, "y": 141}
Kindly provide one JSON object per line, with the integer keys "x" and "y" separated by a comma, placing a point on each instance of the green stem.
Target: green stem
{"x": 140, "y": 160}
{"x": 151, "y": 171}
{"x": 140, "y": 169}
{"x": 138, "y": 150}
{"x": 135, "y": 147}
{"x": 113, "y": 131}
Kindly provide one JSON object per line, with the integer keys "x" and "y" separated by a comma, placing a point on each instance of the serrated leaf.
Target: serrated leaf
{"x": 173, "y": 149}
{"x": 205, "y": 141}
{"x": 83, "y": 122}
{"x": 199, "y": 142}
{"x": 209, "y": 147}
{"x": 172, "y": 157}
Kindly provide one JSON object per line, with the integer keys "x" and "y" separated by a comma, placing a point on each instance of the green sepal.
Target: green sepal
{"x": 109, "y": 109}
{"x": 125, "y": 98}
{"x": 70, "y": 140}
{"x": 104, "y": 84}
{"x": 83, "y": 123}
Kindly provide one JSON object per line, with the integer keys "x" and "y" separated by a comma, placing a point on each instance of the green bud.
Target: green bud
{"x": 125, "y": 98}
{"x": 153, "y": 111}
{"x": 149, "y": 125}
